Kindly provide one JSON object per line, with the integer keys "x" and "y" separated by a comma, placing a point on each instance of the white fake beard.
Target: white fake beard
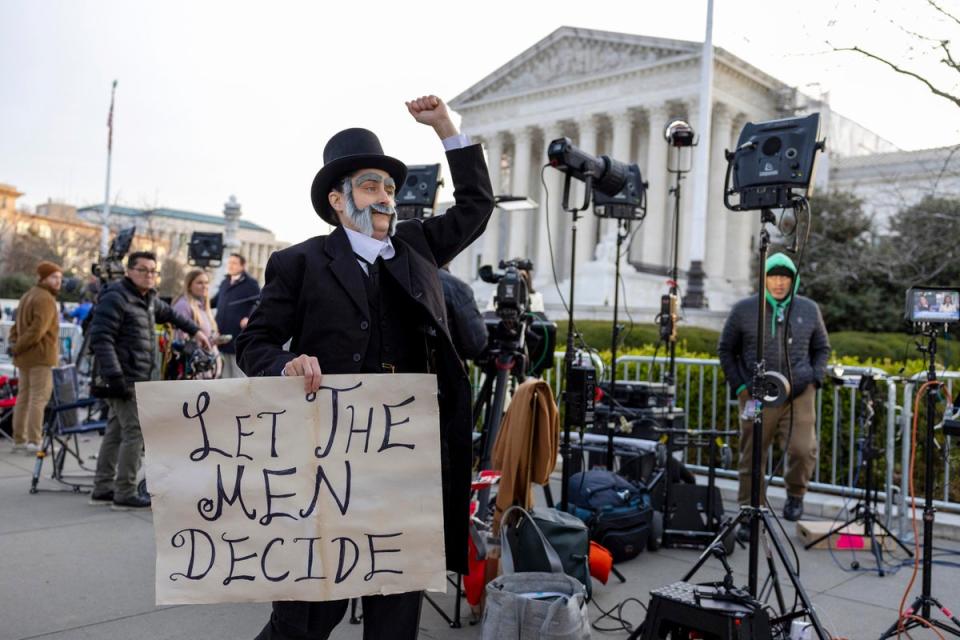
{"x": 363, "y": 218}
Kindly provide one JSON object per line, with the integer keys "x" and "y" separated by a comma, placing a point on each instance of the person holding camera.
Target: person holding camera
{"x": 366, "y": 298}
{"x": 124, "y": 342}
{"x": 194, "y": 303}
{"x": 35, "y": 347}
{"x": 801, "y": 356}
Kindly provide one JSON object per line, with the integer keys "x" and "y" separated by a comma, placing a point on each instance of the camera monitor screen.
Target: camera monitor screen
{"x": 933, "y": 305}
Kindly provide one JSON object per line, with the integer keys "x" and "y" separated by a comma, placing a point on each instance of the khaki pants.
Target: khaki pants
{"x": 33, "y": 394}
{"x": 801, "y": 450}
{"x": 230, "y": 367}
{"x": 120, "y": 451}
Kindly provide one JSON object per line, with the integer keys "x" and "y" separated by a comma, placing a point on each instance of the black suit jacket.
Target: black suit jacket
{"x": 314, "y": 294}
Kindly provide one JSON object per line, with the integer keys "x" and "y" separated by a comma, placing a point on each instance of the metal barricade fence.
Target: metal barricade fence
{"x": 704, "y": 396}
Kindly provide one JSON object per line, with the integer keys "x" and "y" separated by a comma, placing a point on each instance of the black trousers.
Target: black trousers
{"x": 393, "y": 617}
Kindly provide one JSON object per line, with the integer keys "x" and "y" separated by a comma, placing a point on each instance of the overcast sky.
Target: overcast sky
{"x": 220, "y": 98}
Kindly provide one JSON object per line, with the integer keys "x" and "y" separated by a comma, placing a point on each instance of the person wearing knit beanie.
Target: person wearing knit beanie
{"x": 46, "y": 269}
{"x": 35, "y": 342}
{"x": 796, "y": 345}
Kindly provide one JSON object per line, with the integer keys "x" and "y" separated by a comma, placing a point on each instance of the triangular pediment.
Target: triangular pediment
{"x": 569, "y": 55}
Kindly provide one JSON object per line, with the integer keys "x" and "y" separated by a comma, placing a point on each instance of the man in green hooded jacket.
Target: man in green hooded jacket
{"x": 800, "y": 353}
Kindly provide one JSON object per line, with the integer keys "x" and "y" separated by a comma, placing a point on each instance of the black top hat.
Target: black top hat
{"x": 346, "y": 152}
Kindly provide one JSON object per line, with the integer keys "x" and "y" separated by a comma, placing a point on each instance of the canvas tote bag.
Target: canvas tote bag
{"x": 534, "y": 605}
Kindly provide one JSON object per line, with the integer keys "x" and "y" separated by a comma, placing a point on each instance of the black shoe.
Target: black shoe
{"x": 133, "y": 503}
{"x": 743, "y": 533}
{"x": 793, "y": 509}
{"x": 104, "y": 498}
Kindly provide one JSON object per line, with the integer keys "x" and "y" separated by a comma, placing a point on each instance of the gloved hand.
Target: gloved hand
{"x": 117, "y": 388}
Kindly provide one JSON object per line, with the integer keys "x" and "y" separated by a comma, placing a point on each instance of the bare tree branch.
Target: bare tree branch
{"x": 943, "y": 11}
{"x": 936, "y": 91}
{"x": 950, "y": 62}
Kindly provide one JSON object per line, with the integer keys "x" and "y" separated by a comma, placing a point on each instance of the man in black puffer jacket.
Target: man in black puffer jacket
{"x": 123, "y": 338}
{"x": 803, "y": 362}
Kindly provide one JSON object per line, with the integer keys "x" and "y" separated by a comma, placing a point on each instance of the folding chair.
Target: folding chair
{"x": 8, "y": 398}
{"x": 66, "y": 418}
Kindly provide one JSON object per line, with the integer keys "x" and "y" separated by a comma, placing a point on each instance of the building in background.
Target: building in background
{"x": 173, "y": 227}
{"x": 53, "y": 232}
{"x": 613, "y": 94}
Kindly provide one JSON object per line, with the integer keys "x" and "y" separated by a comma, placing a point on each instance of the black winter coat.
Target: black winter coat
{"x": 315, "y": 294}
{"x": 467, "y": 328}
{"x": 123, "y": 331}
{"x": 233, "y": 302}
{"x": 808, "y": 346}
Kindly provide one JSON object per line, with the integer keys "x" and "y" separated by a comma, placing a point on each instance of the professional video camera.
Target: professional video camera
{"x": 514, "y": 327}
{"x": 110, "y": 266}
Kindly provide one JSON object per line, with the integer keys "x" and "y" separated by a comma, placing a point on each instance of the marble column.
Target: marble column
{"x": 559, "y": 224}
{"x": 620, "y": 149}
{"x": 744, "y": 229}
{"x": 718, "y": 219}
{"x": 490, "y": 251}
{"x": 516, "y": 240}
{"x": 657, "y": 227}
{"x": 587, "y": 233}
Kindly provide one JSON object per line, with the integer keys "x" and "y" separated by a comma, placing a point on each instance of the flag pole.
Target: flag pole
{"x": 105, "y": 216}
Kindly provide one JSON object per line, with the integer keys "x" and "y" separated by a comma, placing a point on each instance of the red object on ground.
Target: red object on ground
{"x": 473, "y": 582}
{"x": 601, "y": 562}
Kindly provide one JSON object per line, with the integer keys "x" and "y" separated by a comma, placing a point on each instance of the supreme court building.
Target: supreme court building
{"x": 614, "y": 94}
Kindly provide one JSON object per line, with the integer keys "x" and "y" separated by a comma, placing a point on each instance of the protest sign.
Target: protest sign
{"x": 261, "y": 492}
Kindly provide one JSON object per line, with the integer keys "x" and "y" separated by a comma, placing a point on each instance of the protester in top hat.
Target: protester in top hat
{"x": 35, "y": 343}
{"x": 234, "y": 301}
{"x": 367, "y": 299}
{"x": 807, "y": 350}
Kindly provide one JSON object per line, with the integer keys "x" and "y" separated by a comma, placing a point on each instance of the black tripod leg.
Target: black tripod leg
{"x": 890, "y": 534}
{"x": 773, "y": 576}
{"x": 794, "y": 578}
{"x": 718, "y": 541}
{"x": 892, "y": 630}
{"x": 836, "y": 529}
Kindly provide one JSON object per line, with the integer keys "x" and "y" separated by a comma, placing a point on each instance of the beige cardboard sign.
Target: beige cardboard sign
{"x": 262, "y": 493}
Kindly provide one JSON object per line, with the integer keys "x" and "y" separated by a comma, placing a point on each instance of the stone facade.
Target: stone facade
{"x": 614, "y": 94}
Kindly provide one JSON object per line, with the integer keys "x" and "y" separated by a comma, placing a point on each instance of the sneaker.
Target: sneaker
{"x": 18, "y": 448}
{"x": 133, "y": 503}
{"x": 104, "y": 498}
{"x": 743, "y": 533}
{"x": 793, "y": 509}
{"x": 31, "y": 449}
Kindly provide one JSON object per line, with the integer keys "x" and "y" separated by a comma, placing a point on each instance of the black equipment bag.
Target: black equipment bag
{"x": 617, "y": 512}
{"x": 624, "y": 531}
{"x": 567, "y": 535}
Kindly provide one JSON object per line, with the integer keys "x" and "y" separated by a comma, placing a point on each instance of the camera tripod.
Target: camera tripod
{"x": 505, "y": 360}
{"x": 865, "y": 511}
{"x": 764, "y": 389}
{"x": 922, "y": 604}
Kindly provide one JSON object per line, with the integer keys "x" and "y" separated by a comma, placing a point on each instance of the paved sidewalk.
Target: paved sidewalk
{"x": 72, "y": 571}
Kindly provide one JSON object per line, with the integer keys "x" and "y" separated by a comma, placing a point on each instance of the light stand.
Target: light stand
{"x": 623, "y": 230}
{"x": 866, "y": 510}
{"x": 574, "y": 402}
{"x": 923, "y": 602}
{"x": 754, "y": 514}
{"x": 680, "y": 136}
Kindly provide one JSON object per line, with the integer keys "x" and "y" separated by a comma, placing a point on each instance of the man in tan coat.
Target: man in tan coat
{"x": 35, "y": 343}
